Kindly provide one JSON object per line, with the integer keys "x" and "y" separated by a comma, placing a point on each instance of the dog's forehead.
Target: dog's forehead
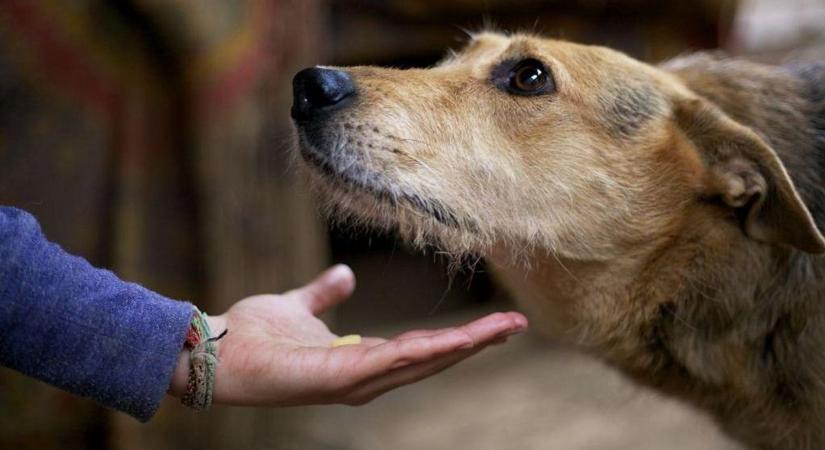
{"x": 485, "y": 46}
{"x": 487, "y": 49}
{"x": 491, "y": 47}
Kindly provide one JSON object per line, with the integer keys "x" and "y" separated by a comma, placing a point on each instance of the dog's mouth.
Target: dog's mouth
{"x": 345, "y": 169}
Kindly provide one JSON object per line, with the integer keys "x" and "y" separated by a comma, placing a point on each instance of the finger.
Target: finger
{"x": 327, "y": 290}
{"x": 403, "y": 352}
{"x": 372, "y": 341}
{"x": 408, "y": 375}
{"x": 422, "y": 333}
{"x": 422, "y": 345}
{"x": 480, "y": 330}
{"x": 493, "y": 326}
{"x": 381, "y": 384}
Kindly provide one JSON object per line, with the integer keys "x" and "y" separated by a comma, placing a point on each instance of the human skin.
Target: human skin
{"x": 278, "y": 353}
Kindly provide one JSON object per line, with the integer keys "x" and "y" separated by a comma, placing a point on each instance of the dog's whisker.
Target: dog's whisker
{"x": 418, "y": 141}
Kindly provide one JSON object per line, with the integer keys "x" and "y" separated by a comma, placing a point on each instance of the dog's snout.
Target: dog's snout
{"x": 320, "y": 90}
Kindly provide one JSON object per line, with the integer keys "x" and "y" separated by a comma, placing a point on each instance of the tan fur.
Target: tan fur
{"x": 645, "y": 213}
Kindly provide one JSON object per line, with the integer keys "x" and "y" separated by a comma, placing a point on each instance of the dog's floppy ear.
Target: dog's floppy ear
{"x": 745, "y": 173}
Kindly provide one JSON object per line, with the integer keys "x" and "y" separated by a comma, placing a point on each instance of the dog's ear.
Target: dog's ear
{"x": 747, "y": 175}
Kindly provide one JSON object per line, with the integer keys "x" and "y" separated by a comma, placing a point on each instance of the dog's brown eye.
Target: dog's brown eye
{"x": 530, "y": 77}
{"x": 525, "y": 77}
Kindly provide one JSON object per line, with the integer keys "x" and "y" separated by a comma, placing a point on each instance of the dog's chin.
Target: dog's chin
{"x": 348, "y": 175}
{"x": 356, "y": 195}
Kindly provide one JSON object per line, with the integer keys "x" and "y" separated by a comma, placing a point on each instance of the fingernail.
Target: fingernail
{"x": 342, "y": 275}
{"x": 340, "y": 271}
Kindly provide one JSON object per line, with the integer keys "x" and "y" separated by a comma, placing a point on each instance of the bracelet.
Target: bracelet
{"x": 203, "y": 362}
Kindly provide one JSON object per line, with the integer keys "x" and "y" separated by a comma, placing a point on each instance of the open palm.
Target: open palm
{"x": 278, "y": 353}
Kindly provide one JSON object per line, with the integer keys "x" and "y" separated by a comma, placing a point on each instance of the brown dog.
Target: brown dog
{"x": 664, "y": 218}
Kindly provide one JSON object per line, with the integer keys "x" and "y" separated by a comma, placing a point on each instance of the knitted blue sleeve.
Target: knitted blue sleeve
{"x": 80, "y": 328}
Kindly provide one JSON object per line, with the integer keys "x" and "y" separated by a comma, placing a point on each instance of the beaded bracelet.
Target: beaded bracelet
{"x": 203, "y": 362}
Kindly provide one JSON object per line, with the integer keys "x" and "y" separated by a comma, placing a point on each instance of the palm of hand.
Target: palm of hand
{"x": 278, "y": 353}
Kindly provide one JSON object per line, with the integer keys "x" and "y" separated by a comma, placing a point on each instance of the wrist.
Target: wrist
{"x": 180, "y": 376}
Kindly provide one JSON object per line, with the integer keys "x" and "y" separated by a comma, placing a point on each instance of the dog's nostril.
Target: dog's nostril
{"x": 317, "y": 89}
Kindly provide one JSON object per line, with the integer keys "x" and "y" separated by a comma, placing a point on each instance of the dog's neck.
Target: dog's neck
{"x": 724, "y": 334}
{"x": 613, "y": 308}
{"x": 559, "y": 292}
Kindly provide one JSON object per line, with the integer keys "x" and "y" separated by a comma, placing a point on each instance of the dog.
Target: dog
{"x": 665, "y": 218}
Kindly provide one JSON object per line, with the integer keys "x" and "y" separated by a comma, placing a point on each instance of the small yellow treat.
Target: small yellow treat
{"x": 350, "y": 339}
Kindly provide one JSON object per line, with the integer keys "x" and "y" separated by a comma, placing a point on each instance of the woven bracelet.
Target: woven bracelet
{"x": 203, "y": 363}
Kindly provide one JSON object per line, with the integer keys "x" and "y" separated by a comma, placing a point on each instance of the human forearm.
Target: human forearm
{"x": 81, "y": 328}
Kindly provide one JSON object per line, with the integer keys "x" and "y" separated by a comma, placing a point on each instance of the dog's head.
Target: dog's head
{"x": 521, "y": 141}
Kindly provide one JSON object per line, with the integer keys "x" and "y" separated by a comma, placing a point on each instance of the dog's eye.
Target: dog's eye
{"x": 530, "y": 77}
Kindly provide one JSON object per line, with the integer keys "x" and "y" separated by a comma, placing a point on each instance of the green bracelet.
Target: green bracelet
{"x": 203, "y": 362}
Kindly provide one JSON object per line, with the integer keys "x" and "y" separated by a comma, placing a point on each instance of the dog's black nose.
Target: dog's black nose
{"x": 316, "y": 90}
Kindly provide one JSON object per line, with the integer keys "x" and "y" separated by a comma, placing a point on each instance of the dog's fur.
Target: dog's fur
{"x": 664, "y": 218}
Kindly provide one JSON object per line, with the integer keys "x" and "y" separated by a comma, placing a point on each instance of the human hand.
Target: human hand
{"x": 278, "y": 353}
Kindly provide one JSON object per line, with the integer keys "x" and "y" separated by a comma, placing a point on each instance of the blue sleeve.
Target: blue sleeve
{"x": 80, "y": 328}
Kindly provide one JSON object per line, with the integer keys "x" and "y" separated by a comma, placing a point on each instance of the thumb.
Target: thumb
{"x": 328, "y": 289}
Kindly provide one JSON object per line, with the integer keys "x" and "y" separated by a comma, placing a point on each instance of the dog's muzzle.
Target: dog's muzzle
{"x": 318, "y": 91}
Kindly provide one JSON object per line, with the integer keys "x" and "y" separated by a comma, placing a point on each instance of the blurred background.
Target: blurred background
{"x": 153, "y": 138}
